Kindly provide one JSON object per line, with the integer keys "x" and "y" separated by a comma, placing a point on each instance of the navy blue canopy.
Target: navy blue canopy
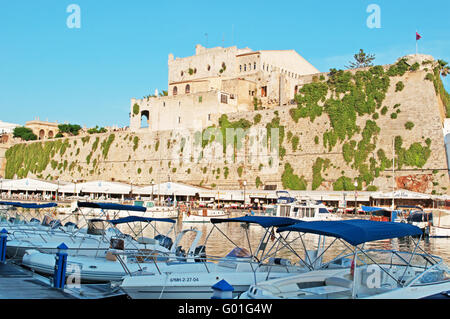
{"x": 264, "y": 221}
{"x": 112, "y": 206}
{"x": 29, "y": 205}
{"x": 356, "y": 231}
{"x": 131, "y": 219}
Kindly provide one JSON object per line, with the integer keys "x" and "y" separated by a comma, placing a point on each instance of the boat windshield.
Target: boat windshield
{"x": 238, "y": 252}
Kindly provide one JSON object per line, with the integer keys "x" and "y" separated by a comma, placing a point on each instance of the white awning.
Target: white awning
{"x": 401, "y": 194}
{"x": 168, "y": 188}
{"x": 28, "y": 184}
{"x": 98, "y": 187}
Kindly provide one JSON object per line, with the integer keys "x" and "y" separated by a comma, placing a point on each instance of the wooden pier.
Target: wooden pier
{"x": 19, "y": 283}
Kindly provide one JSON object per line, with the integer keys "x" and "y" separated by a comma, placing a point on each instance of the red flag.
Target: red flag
{"x": 418, "y": 36}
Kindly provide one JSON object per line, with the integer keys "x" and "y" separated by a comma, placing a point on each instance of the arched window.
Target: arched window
{"x": 187, "y": 90}
{"x": 175, "y": 90}
{"x": 145, "y": 119}
{"x": 245, "y": 67}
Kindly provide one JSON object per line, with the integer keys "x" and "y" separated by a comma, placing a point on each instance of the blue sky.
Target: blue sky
{"x": 88, "y": 75}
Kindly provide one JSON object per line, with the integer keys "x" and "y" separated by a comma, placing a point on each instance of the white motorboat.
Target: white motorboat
{"x": 440, "y": 226}
{"x": 240, "y": 268}
{"x": 203, "y": 215}
{"x": 116, "y": 263}
{"x": 373, "y": 274}
{"x": 95, "y": 240}
{"x": 305, "y": 211}
{"x": 158, "y": 211}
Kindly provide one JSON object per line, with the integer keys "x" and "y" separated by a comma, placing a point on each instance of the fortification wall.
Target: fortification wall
{"x": 312, "y": 154}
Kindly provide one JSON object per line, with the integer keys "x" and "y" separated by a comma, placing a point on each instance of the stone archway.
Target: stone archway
{"x": 145, "y": 119}
{"x": 50, "y": 134}
{"x": 41, "y": 134}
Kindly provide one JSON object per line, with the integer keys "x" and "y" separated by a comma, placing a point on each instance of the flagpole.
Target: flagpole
{"x": 417, "y": 45}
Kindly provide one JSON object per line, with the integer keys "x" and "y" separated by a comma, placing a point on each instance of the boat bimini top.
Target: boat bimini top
{"x": 112, "y": 206}
{"x": 29, "y": 205}
{"x": 355, "y": 231}
{"x": 269, "y": 223}
{"x": 264, "y": 221}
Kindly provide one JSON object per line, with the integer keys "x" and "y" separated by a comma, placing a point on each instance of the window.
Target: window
{"x": 179, "y": 119}
{"x": 245, "y": 67}
{"x": 209, "y": 117}
{"x": 164, "y": 103}
{"x": 182, "y": 73}
{"x": 254, "y": 66}
{"x": 223, "y": 99}
{"x": 175, "y": 90}
{"x": 187, "y": 90}
{"x": 208, "y": 68}
{"x": 240, "y": 68}
{"x": 263, "y": 91}
{"x": 200, "y": 99}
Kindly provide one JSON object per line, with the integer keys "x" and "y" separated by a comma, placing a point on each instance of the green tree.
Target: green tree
{"x": 71, "y": 129}
{"x": 24, "y": 133}
{"x": 362, "y": 60}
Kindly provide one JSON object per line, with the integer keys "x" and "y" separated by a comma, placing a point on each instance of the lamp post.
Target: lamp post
{"x": 245, "y": 184}
{"x": 356, "y": 197}
{"x": 153, "y": 184}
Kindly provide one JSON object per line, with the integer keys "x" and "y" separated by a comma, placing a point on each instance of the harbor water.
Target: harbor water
{"x": 222, "y": 238}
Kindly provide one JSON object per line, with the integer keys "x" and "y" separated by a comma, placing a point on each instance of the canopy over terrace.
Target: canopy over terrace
{"x": 97, "y": 188}
{"x": 28, "y": 187}
{"x": 402, "y": 197}
{"x": 169, "y": 189}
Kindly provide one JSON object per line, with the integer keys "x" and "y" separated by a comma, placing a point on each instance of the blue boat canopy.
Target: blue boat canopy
{"x": 264, "y": 221}
{"x": 356, "y": 231}
{"x": 130, "y": 219}
{"x": 112, "y": 206}
{"x": 370, "y": 208}
{"x": 29, "y": 205}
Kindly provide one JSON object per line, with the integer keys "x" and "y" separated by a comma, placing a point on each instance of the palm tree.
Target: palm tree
{"x": 444, "y": 68}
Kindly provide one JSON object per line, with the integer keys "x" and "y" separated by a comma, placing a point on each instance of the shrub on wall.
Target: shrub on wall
{"x": 136, "y": 109}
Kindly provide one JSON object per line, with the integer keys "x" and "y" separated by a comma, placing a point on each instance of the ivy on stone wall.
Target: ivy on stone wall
{"x": 292, "y": 181}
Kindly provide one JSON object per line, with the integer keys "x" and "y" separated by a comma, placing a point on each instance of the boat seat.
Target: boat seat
{"x": 147, "y": 241}
{"x": 339, "y": 281}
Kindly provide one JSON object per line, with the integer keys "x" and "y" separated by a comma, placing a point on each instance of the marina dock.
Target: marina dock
{"x": 17, "y": 282}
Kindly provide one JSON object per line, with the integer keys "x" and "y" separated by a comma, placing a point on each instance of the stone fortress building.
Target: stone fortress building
{"x": 217, "y": 81}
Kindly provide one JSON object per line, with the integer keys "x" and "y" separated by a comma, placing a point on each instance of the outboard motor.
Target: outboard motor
{"x": 200, "y": 251}
{"x": 164, "y": 241}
